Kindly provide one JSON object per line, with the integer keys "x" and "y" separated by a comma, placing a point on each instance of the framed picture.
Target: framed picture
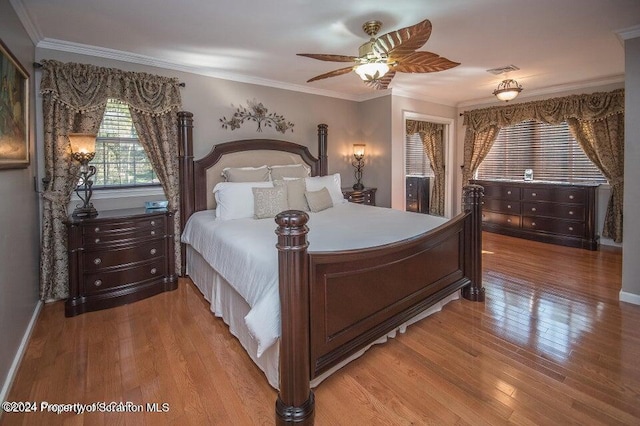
{"x": 14, "y": 111}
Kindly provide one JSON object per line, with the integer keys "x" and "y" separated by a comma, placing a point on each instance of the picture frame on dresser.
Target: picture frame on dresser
{"x": 14, "y": 111}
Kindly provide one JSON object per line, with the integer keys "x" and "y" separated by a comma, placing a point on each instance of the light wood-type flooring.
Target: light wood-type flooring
{"x": 551, "y": 346}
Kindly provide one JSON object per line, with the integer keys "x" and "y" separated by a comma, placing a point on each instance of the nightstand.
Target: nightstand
{"x": 119, "y": 257}
{"x": 364, "y": 196}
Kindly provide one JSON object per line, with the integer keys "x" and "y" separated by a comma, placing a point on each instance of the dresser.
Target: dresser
{"x": 361, "y": 196}
{"x": 417, "y": 194}
{"x": 119, "y": 257}
{"x": 558, "y": 213}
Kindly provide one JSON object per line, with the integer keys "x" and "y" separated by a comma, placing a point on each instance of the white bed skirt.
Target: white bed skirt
{"x": 227, "y": 304}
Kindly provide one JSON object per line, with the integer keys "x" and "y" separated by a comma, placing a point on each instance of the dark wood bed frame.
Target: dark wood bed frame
{"x": 335, "y": 303}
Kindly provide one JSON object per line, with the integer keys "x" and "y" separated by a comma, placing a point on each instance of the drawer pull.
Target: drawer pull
{"x": 508, "y": 192}
{"x": 571, "y": 228}
{"x": 97, "y": 261}
{"x": 97, "y": 229}
{"x": 533, "y": 209}
{"x": 97, "y": 283}
{"x": 533, "y": 224}
{"x": 571, "y": 212}
{"x": 153, "y": 222}
{"x": 571, "y": 197}
{"x": 153, "y": 271}
{"x": 509, "y": 220}
{"x": 508, "y": 206}
{"x": 533, "y": 194}
{"x": 153, "y": 251}
{"x": 97, "y": 240}
{"x": 153, "y": 232}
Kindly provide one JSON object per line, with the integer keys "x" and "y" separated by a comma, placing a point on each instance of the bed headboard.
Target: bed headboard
{"x": 198, "y": 177}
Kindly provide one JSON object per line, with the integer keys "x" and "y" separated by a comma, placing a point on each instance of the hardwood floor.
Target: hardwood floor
{"x": 551, "y": 345}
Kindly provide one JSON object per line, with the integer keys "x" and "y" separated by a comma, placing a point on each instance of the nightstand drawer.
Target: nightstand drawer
{"x": 123, "y": 234}
{"x": 95, "y": 260}
{"x": 108, "y": 279}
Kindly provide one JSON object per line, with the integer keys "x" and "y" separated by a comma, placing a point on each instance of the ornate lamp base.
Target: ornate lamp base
{"x": 85, "y": 212}
{"x": 358, "y": 186}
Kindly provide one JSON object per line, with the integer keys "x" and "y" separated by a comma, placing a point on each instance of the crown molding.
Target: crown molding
{"x": 614, "y": 79}
{"x": 628, "y": 33}
{"x": 119, "y": 55}
{"x": 32, "y": 30}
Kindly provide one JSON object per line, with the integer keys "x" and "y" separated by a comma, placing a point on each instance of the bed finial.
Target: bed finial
{"x": 472, "y": 203}
{"x": 322, "y": 149}
{"x": 295, "y": 403}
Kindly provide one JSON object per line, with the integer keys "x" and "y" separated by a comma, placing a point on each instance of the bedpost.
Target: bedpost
{"x": 185, "y": 164}
{"x": 472, "y": 202}
{"x": 322, "y": 150}
{"x": 295, "y": 403}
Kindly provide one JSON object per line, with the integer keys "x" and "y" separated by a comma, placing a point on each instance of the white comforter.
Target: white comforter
{"x": 243, "y": 251}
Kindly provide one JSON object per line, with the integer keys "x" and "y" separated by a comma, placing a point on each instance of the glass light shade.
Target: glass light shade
{"x": 507, "y": 90}
{"x": 372, "y": 70}
{"x": 358, "y": 150}
{"x": 84, "y": 143}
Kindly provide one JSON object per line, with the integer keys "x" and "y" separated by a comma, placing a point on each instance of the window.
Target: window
{"x": 120, "y": 160}
{"x": 549, "y": 150}
{"x": 417, "y": 162}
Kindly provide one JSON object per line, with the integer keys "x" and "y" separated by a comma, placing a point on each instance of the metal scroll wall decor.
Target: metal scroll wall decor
{"x": 257, "y": 112}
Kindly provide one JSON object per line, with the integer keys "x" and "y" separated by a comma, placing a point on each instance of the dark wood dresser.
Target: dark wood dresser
{"x": 558, "y": 213}
{"x": 417, "y": 193}
{"x": 119, "y": 257}
{"x": 364, "y": 196}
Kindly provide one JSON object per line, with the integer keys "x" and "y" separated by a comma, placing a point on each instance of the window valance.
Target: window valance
{"x": 83, "y": 87}
{"x": 585, "y": 107}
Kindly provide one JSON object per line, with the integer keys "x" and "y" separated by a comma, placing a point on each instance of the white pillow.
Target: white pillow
{"x": 235, "y": 199}
{"x": 331, "y": 182}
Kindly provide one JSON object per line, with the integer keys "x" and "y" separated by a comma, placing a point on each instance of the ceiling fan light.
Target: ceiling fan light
{"x": 507, "y": 90}
{"x": 372, "y": 70}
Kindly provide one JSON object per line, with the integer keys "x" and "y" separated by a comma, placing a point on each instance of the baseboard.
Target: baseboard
{"x": 19, "y": 353}
{"x": 629, "y": 297}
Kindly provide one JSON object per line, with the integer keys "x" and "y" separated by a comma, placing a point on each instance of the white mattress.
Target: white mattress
{"x": 243, "y": 251}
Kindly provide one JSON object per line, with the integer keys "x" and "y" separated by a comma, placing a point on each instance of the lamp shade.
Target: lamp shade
{"x": 372, "y": 70}
{"x": 84, "y": 143}
{"x": 507, "y": 90}
{"x": 359, "y": 150}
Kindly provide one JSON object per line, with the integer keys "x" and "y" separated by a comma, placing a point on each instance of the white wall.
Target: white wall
{"x": 19, "y": 231}
{"x": 631, "y": 233}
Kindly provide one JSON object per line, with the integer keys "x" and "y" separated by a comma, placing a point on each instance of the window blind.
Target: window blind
{"x": 120, "y": 160}
{"x": 549, "y": 150}
{"x": 416, "y": 161}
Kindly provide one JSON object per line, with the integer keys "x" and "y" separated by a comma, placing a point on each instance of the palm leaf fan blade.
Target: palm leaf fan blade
{"x": 326, "y": 57}
{"x": 403, "y": 41}
{"x": 334, "y": 73}
{"x": 424, "y": 62}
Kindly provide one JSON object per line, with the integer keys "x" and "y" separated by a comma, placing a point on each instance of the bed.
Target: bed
{"x": 336, "y": 299}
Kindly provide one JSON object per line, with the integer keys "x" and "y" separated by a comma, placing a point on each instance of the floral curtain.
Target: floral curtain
{"x": 597, "y": 123}
{"x": 74, "y": 99}
{"x": 432, "y": 135}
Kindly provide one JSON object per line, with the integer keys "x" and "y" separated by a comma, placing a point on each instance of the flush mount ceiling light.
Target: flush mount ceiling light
{"x": 507, "y": 90}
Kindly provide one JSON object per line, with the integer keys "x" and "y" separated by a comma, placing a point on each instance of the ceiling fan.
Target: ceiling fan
{"x": 380, "y": 58}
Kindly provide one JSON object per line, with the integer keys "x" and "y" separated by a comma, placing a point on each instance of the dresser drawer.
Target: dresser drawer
{"x": 564, "y": 227}
{"x": 108, "y": 279}
{"x": 501, "y": 219}
{"x": 501, "y": 206}
{"x": 95, "y": 260}
{"x": 502, "y": 192}
{"x": 561, "y": 211}
{"x": 555, "y": 195}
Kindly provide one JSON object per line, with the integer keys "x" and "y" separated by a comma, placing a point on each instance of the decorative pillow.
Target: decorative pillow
{"x": 268, "y": 202}
{"x": 295, "y": 193}
{"x": 246, "y": 174}
{"x": 331, "y": 182}
{"x": 319, "y": 200}
{"x": 289, "y": 171}
{"x": 235, "y": 199}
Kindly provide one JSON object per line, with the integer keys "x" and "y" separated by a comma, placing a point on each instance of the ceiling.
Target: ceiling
{"x": 557, "y": 44}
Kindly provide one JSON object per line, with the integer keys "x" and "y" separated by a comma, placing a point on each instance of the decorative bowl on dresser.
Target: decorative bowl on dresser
{"x": 119, "y": 257}
{"x": 361, "y": 196}
{"x": 558, "y": 213}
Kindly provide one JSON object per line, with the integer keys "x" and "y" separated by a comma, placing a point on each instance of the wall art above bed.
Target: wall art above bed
{"x": 258, "y": 113}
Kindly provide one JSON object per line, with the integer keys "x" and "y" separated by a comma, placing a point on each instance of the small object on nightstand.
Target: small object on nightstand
{"x": 358, "y": 154}
{"x": 365, "y": 196}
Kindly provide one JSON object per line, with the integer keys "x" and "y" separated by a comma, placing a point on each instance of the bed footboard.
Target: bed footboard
{"x": 333, "y": 304}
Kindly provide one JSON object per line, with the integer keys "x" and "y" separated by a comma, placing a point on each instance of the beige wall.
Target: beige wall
{"x": 631, "y": 234}
{"x": 19, "y": 232}
{"x": 375, "y": 124}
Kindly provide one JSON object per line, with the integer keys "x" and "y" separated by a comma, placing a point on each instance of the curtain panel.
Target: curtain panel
{"x": 596, "y": 121}
{"x": 432, "y": 135}
{"x": 74, "y": 99}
